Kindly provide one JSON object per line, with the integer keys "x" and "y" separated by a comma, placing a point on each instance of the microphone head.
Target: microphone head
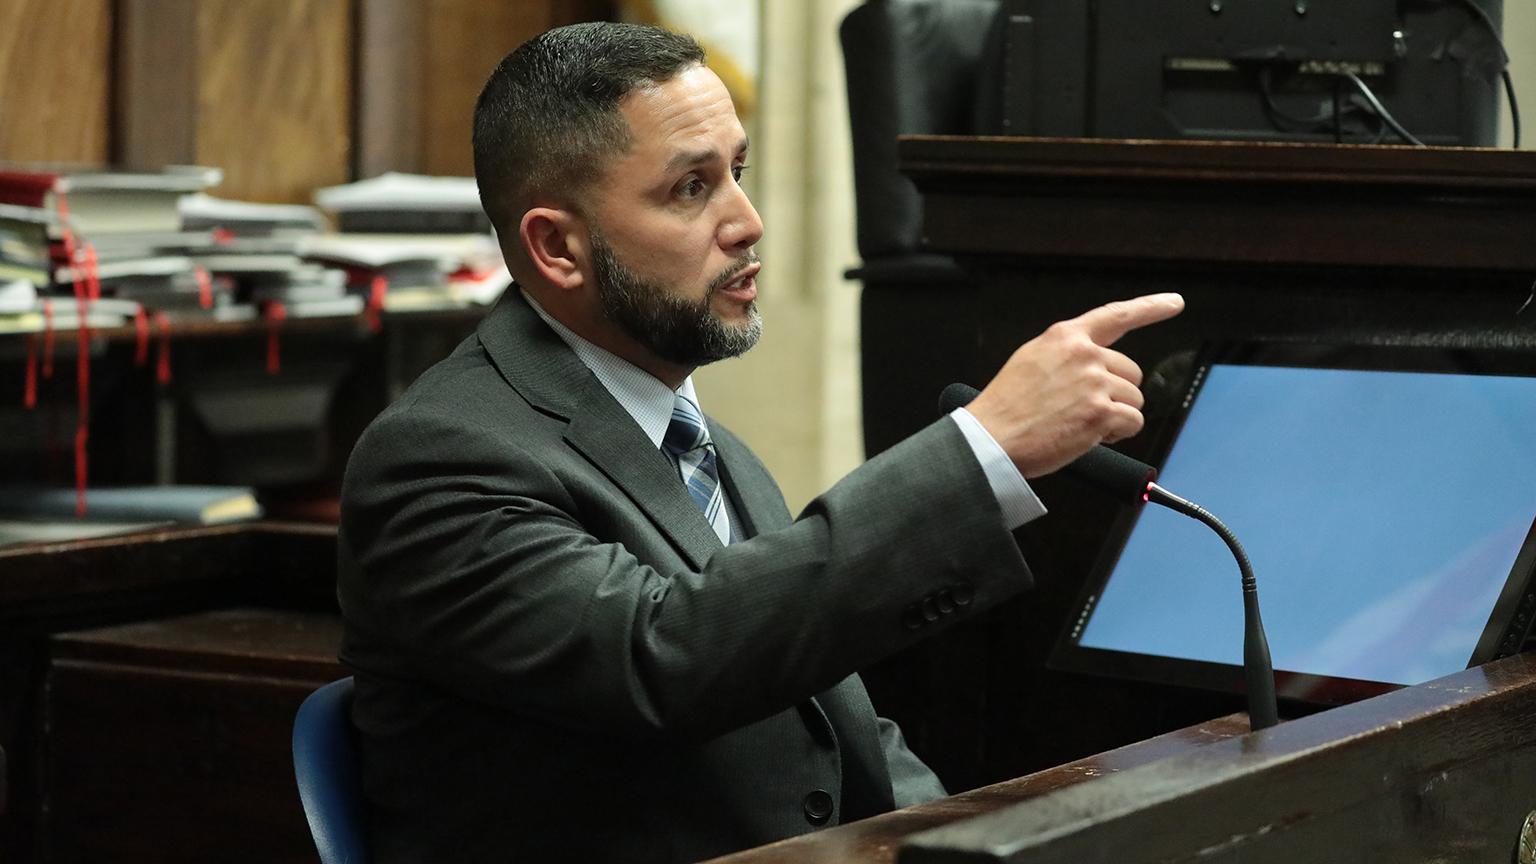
{"x": 1113, "y": 472}
{"x": 956, "y": 396}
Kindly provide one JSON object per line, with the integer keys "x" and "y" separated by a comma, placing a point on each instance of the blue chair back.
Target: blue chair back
{"x": 325, "y": 763}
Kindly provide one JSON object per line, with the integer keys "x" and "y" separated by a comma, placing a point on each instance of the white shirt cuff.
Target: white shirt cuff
{"x": 1018, "y": 502}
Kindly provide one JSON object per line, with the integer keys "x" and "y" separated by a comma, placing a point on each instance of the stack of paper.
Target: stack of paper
{"x": 91, "y": 242}
{"x": 255, "y": 254}
{"x": 394, "y": 203}
{"x": 426, "y": 239}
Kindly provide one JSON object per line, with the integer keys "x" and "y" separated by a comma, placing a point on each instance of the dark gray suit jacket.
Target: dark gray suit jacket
{"x": 556, "y": 659}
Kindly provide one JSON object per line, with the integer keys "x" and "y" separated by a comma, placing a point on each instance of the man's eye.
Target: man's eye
{"x": 738, "y": 170}
{"x": 691, "y": 188}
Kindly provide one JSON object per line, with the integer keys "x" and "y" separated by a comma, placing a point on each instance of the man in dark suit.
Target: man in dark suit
{"x": 583, "y": 624}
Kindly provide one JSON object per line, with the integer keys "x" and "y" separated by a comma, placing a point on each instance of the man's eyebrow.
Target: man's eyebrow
{"x": 690, "y": 158}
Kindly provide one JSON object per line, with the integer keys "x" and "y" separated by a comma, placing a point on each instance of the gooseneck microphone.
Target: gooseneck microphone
{"x": 1131, "y": 480}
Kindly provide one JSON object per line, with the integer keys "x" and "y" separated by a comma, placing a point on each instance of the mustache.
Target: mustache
{"x": 733, "y": 271}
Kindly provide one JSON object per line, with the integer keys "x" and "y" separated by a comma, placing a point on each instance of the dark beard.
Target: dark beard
{"x": 678, "y": 330}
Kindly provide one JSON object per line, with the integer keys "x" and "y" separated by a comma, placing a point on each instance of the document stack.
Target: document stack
{"x": 84, "y": 246}
{"x": 410, "y": 241}
{"x": 255, "y": 255}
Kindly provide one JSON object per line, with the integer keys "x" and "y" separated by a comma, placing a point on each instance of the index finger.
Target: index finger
{"x": 1106, "y": 324}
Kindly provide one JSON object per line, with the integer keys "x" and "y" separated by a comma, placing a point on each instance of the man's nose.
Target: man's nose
{"x": 742, "y": 227}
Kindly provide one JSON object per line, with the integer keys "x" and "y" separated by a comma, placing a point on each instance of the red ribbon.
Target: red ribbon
{"x": 47, "y": 338}
{"x": 141, "y": 337}
{"x": 83, "y": 347}
{"x": 163, "y": 363}
{"x": 82, "y": 392}
{"x": 92, "y": 273}
{"x": 275, "y": 314}
{"x": 81, "y": 460}
{"x": 204, "y": 287}
{"x": 29, "y": 395}
{"x": 373, "y": 312}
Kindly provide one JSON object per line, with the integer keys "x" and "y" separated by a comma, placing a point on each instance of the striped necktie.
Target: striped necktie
{"x": 687, "y": 442}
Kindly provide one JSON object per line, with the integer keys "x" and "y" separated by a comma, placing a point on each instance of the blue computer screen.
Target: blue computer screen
{"x": 1382, "y": 512}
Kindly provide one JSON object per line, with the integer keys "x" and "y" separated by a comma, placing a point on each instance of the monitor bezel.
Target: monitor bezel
{"x": 1509, "y": 620}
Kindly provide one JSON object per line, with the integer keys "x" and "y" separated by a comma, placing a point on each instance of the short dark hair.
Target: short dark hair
{"x": 548, "y": 118}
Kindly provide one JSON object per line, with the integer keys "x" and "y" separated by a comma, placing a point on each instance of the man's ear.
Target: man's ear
{"x": 555, "y": 242}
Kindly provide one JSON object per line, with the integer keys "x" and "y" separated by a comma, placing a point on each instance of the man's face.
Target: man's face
{"x": 673, "y": 325}
{"x": 672, "y": 231}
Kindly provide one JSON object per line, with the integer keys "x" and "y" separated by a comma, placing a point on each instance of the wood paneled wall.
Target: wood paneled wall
{"x": 55, "y": 65}
{"x": 284, "y": 95}
{"x": 422, "y": 64}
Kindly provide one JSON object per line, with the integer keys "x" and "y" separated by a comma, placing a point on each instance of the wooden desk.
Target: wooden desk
{"x": 48, "y": 587}
{"x": 877, "y": 839}
{"x": 282, "y": 573}
{"x": 1372, "y": 245}
{"x": 1441, "y": 772}
{"x": 169, "y": 740}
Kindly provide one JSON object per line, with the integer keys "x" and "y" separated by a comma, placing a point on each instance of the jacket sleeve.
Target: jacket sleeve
{"x": 912, "y": 781}
{"x": 465, "y": 561}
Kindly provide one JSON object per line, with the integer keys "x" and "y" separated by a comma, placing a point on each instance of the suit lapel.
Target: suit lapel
{"x": 609, "y": 438}
{"x": 752, "y": 490}
{"x": 537, "y": 363}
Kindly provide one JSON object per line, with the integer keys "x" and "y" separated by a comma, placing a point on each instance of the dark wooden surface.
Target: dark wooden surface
{"x": 1266, "y": 241}
{"x": 1445, "y": 772}
{"x": 876, "y": 840}
{"x": 169, "y": 740}
{"x": 1254, "y": 203}
{"x": 243, "y": 641}
{"x": 47, "y": 589}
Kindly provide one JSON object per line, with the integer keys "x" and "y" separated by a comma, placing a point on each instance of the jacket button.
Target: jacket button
{"x": 818, "y": 807}
{"x": 963, "y": 592}
{"x": 912, "y": 618}
{"x": 946, "y": 601}
{"x": 930, "y": 609}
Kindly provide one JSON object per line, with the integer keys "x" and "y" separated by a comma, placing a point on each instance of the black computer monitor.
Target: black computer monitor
{"x": 1386, "y": 497}
{"x": 1250, "y": 69}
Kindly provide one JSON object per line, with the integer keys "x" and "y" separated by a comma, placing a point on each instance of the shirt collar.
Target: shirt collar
{"x": 640, "y": 393}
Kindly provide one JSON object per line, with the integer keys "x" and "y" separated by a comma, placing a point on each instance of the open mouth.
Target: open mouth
{"x": 744, "y": 285}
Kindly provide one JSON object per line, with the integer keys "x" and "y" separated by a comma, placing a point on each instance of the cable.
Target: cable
{"x": 1509, "y": 83}
{"x": 1330, "y": 122}
{"x": 1381, "y": 110}
{"x": 1514, "y": 109}
{"x": 1306, "y": 124}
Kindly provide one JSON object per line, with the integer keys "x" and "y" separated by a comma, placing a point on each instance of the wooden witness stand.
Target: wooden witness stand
{"x": 1441, "y": 772}
{"x": 1345, "y": 245}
